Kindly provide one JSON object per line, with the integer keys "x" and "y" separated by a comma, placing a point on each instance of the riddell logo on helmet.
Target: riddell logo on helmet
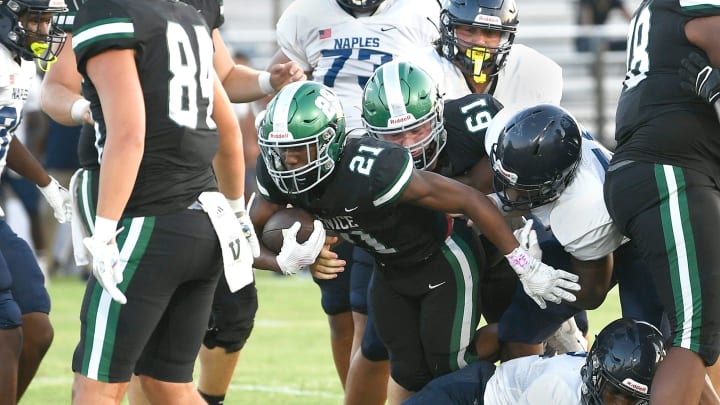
{"x": 510, "y": 176}
{"x": 277, "y": 136}
{"x": 57, "y": 3}
{"x": 398, "y": 121}
{"x": 488, "y": 19}
{"x": 629, "y": 382}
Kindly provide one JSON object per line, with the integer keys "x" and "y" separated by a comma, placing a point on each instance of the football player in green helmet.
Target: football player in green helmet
{"x": 402, "y": 104}
{"x": 306, "y": 121}
{"x": 369, "y": 191}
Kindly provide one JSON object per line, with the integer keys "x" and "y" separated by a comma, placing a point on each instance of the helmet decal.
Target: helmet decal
{"x": 393, "y": 93}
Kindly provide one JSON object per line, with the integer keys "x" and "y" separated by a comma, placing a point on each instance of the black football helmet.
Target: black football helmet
{"x": 625, "y": 355}
{"x": 496, "y": 15}
{"x": 360, "y": 5}
{"x": 15, "y": 14}
{"x": 536, "y": 152}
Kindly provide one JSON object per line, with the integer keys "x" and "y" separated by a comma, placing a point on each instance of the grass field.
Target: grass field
{"x": 286, "y": 361}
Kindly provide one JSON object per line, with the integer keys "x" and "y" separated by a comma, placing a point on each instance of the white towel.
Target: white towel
{"x": 237, "y": 256}
{"x": 80, "y": 252}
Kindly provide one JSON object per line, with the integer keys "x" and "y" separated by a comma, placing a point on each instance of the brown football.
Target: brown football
{"x": 272, "y": 234}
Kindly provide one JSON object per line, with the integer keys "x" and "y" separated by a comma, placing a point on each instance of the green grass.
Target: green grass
{"x": 286, "y": 361}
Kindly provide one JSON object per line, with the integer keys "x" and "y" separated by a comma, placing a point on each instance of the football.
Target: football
{"x": 272, "y": 233}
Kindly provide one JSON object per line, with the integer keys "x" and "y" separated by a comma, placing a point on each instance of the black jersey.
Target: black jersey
{"x": 212, "y": 13}
{"x": 211, "y": 10}
{"x": 173, "y": 53}
{"x": 466, "y": 120}
{"x": 656, "y": 120}
{"x": 359, "y": 200}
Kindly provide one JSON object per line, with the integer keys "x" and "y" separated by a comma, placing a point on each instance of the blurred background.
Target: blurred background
{"x": 592, "y": 56}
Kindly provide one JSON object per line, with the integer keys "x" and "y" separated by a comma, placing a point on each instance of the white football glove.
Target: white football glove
{"x": 59, "y": 199}
{"x": 540, "y": 281}
{"x": 243, "y": 216}
{"x": 527, "y": 237}
{"x": 294, "y": 256}
{"x": 106, "y": 258}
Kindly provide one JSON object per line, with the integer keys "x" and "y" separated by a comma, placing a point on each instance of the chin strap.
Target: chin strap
{"x": 38, "y": 49}
{"x": 478, "y": 55}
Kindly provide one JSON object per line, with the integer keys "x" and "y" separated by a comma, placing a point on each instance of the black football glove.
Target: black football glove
{"x": 697, "y": 76}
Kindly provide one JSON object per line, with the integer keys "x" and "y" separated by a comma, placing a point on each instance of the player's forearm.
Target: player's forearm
{"x": 25, "y": 164}
{"x": 114, "y": 75}
{"x": 118, "y": 172}
{"x": 61, "y": 87}
{"x": 229, "y": 162}
{"x": 57, "y": 101}
{"x": 486, "y": 216}
{"x": 266, "y": 261}
{"x": 241, "y": 84}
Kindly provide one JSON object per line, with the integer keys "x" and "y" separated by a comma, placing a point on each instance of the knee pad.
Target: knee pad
{"x": 709, "y": 354}
{"x": 232, "y": 319}
{"x": 410, "y": 377}
{"x": 232, "y": 341}
{"x": 335, "y": 293}
{"x": 10, "y": 317}
{"x": 581, "y": 319}
{"x": 360, "y": 280}
{"x": 371, "y": 346}
{"x": 525, "y": 322}
{"x": 464, "y": 386}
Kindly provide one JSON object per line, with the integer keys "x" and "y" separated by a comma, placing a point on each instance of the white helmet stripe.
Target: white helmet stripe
{"x": 393, "y": 91}
{"x": 282, "y": 106}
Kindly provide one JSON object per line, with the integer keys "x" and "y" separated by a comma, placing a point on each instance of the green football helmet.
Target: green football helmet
{"x": 304, "y": 117}
{"x": 401, "y": 97}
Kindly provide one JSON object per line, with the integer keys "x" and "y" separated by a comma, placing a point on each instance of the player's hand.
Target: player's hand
{"x": 294, "y": 256}
{"x": 282, "y": 74}
{"x": 699, "y": 77}
{"x": 540, "y": 281}
{"x": 327, "y": 265}
{"x": 243, "y": 217}
{"x": 106, "y": 268}
{"x": 59, "y": 199}
{"x": 527, "y": 237}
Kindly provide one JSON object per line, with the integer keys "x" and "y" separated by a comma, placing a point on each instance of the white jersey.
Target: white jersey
{"x": 526, "y": 79}
{"x": 578, "y": 219}
{"x": 15, "y": 82}
{"x": 537, "y": 380}
{"x": 343, "y": 51}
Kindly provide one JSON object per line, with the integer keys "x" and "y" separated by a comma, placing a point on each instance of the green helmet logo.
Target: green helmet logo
{"x": 399, "y": 99}
{"x": 304, "y": 120}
